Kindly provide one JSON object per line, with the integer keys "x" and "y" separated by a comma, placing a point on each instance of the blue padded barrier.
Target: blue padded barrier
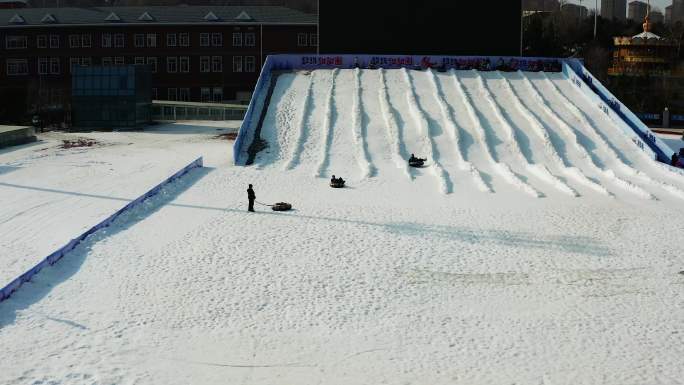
{"x": 640, "y": 134}
{"x": 51, "y": 259}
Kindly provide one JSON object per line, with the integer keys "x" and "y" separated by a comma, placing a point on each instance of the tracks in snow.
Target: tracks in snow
{"x": 453, "y": 132}
{"x": 296, "y": 150}
{"x": 358, "y": 130}
{"x": 326, "y": 139}
{"x": 392, "y": 128}
{"x": 418, "y": 114}
{"x": 539, "y": 170}
{"x": 609, "y": 149}
{"x": 570, "y": 134}
{"x": 502, "y": 168}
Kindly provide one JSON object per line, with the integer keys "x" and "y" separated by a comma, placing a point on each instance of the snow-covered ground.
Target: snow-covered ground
{"x": 539, "y": 245}
{"x": 51, "y": 194}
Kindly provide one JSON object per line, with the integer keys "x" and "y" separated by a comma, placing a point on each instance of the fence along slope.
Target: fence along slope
{"x": 53, "y": 258}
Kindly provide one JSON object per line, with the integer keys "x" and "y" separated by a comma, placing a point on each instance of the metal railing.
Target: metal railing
{"x": 168, "y": 110}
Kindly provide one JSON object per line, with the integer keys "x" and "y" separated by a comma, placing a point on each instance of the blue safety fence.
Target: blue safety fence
{"x": 641, "y": 135}
{"x": 288, "y": 62}
{"x": 51, "y": 259}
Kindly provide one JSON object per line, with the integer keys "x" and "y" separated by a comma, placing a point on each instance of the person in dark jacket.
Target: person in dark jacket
{"x": 675, "y": 159}
{"x": 251, "y": 197}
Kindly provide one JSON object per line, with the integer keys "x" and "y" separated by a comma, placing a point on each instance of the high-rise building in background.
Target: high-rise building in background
{"x": 574, "y": 11}
{"x": 540, "y": 5}
{"x": 637, "y": 11}
{"x": 656, "y": 17}
{"x": 668, "y": 14}
{"x": 614, "y": 9}
{"x": 677, "y": 11}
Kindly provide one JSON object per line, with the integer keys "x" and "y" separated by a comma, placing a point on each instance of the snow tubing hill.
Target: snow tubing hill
{"x": 572, "y": 69}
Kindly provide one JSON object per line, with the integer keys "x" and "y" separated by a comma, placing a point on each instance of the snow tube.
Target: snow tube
{"x": 281, "y": 206}
{"x": 416, "y": 163}
{"x": 337, "y": 184}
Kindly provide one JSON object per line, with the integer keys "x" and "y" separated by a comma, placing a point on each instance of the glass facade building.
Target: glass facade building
{"x": 111, "y": 96}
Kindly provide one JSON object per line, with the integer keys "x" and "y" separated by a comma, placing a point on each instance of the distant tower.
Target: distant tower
{"x": 647, "y": 24}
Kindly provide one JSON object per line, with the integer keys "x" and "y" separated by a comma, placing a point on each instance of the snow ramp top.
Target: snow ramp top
{"x": 247, "y": 142}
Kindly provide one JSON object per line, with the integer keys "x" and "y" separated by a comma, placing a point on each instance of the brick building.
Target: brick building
{"x": 197, "y": 53}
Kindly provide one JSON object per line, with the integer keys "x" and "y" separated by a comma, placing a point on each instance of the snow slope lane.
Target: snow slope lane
{"x": 430, "y": 132}
{"x": 452, "y": 144}
{"x": 580, "y": 143}
{"x": 470, "y": 87}
{"x": 513, "y": 136}
{"x": 616, "y": 148}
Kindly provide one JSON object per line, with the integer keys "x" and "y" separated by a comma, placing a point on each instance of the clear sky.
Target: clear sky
{"x": 654, "y": 3}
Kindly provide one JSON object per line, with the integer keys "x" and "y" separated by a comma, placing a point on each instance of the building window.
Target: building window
{"x": 85, "y": 41}
{"x": 171, "y": 64}
{"x": 107, "y": 61}
{"x": 301, "y": 39}
{"x": 204, "y": 64}
{"x": 237, "y": 63}
{"x": 249, "y": 64}
{"x": 170, "y": 39}
{"x": 250, "y": 39}
{"x": 154, "y": 93}
{"x": 43, "y": 65}
{"x": 54, "y": 66}
{"x": 54, "y": 41}
{"x": 119, "y": 61}
{"x": 119, "y": 40}
{"x": 15, "y": 42}
{"x": 85, "y": 61}
{"x": 184, "y": 94}
{"x": 237, "y": 39}
{"x": 172, "y": 94}
{"x": 74, "y": 61}
{"x": 184, "y": 64}
{"x": 184, "y": 39}
{"x": 106, "y": 40}
{"x": 218, "y": 94}
{"x": 205, "y": 94}
{"x": 217, "y": 39}
{"x": 74, "y": 41}
{"x": 42, "y": 41}
{"x": 139, "y": 40}
{"x": 217, "y": 64}
{"x": 17, "y": 66}
{"x": 151, "y": 39}
{"x": 204, "y": 40}
{"x": 313, "y": 39}
{"x": 139, "y": 60}
{"x": 152, "y": 61}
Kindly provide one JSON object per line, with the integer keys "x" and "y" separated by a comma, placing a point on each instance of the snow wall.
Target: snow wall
{"x": 51, "y": 259}
{"x": 573, "y": 69}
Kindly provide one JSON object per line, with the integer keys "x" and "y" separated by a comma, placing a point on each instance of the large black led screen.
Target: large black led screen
{"x": 471, "y": 27}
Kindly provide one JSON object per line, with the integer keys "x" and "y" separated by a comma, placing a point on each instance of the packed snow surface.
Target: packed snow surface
{"x": 537, "y": 246}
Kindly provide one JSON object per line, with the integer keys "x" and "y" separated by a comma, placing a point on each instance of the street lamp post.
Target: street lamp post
{"x": 595, "y": 17}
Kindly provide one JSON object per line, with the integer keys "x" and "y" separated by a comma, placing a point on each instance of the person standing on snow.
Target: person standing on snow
{"x": 251, "y": 197}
